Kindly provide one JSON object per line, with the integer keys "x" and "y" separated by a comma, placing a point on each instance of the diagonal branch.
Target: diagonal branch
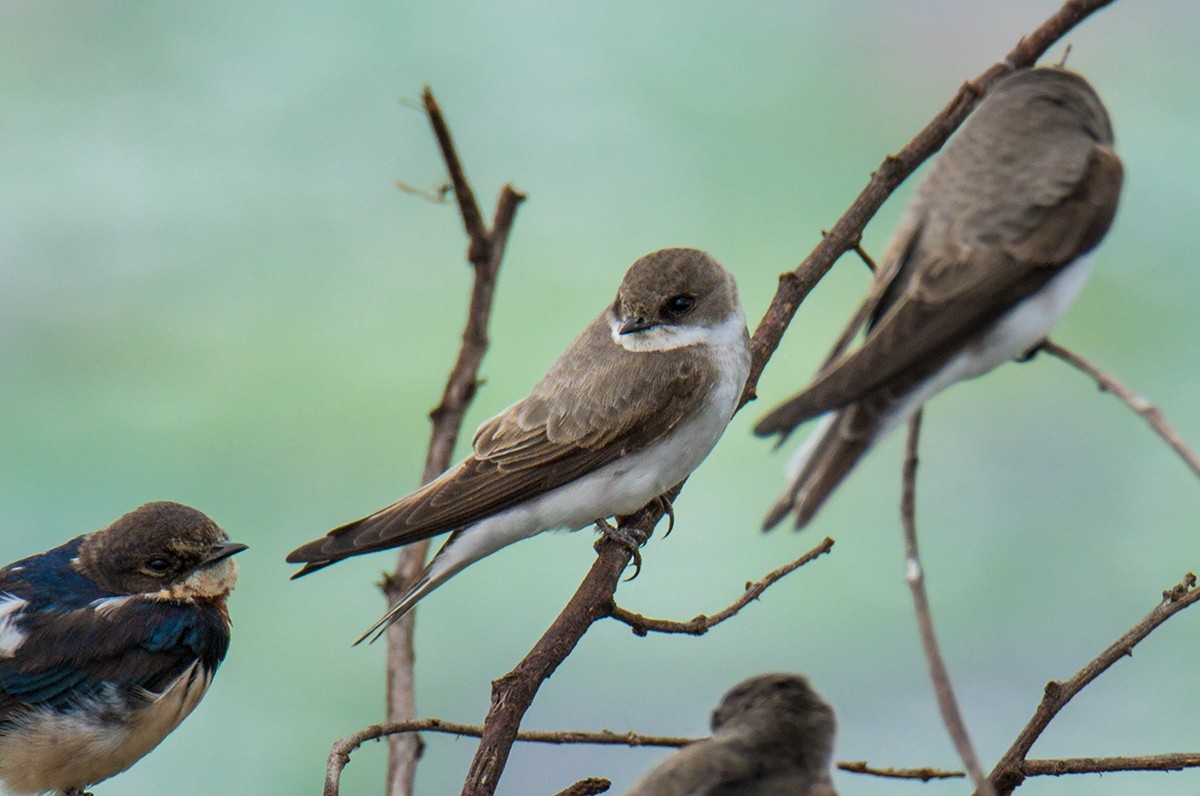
{"x": 915, "y": 574}
{"x": 513, "y": 693}
{"x": 1008, "y": 773}
{"x": 1148, "y": 411}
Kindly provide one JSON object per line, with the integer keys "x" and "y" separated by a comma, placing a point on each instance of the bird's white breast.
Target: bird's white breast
{"x": 1017, "y": 331}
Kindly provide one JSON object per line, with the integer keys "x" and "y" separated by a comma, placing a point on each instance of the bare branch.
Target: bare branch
{"x": 514, "y": 692}
{"x": 947, "y": 702}
{"x": 1100, "y": 765}
{"x": 587, "y": 787}
{"x": 1009, "y": 772}
{"x": 923, "y": 774}
{"x": 468, "y": 208}
{"x": 701, "y": 624}
{"x": 1149, "y": 412}
{"x": 485, "y": 251}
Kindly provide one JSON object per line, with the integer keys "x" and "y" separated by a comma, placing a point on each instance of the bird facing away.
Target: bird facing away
{"x": 987, "y": 257}
{"x": 628, "y": 411}
{"x": 107, "y": 643}
{"x": 772, "y": 736}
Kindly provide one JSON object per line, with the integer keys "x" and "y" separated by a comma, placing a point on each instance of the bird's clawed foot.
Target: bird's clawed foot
{"x": 669, "y": 512}
{"x": 626, "y": 539}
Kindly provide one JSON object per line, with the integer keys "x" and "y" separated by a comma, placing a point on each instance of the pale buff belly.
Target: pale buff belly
{"x": 48, "y": 751}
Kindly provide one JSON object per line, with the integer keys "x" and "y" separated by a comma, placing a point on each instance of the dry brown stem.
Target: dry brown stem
{"x": 485, "y": 251}
{"x": 1148, "y": 411}
{"x": 1009, "y": 773}
{"x": 1102, "y": 765}
{"x": 915, "y": 574}
{"x": 923, "y": 774}
{"x": 587, "y": 787}
{"x": 701, "y": 624}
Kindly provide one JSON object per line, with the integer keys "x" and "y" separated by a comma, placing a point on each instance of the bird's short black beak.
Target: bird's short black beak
{"x": 630, "y": 325}
{"x": 222, "y": 551}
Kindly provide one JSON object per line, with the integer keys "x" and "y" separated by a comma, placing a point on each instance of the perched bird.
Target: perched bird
{"x": 987, "y": 257}
{"x": 107, "y": 643}
{"x": 772, "y": 736}
{"x": 628, "y": 411}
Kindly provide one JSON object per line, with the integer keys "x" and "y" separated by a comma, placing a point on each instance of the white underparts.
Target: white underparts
{"x": 50, "y": 750}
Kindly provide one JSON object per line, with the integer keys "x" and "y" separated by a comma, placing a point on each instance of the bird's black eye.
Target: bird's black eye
{"x": 678, "y": 306}
{"x": 159, "y": 565}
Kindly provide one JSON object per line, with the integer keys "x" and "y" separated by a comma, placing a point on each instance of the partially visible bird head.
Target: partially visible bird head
{"x": 671, "y": 298}
{"x": 782, "y": 706}
{"x": 1049, "y": 98}
{"x": 161, "y": 548}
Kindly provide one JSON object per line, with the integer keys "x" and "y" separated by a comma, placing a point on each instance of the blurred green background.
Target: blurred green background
{"x": 211, "y": 291}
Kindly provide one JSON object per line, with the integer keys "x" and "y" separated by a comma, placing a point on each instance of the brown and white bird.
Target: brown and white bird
{"x": 989, "y": 254}
{"x": 628, "y": 411}
{"x": 772, "y": 736}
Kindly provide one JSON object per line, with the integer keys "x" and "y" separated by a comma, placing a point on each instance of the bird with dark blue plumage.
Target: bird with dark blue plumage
{"x": 107, "y": 643}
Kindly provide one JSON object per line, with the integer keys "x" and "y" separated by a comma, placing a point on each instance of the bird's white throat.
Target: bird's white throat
{"x": 668, "y": 338}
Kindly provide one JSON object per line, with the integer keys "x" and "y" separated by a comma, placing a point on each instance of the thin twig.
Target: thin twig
{"x": 598, "y": 738}
{"x": 1149, "y": 412}
{"x": 513, "y": 693}
{"x": 485, "y": 251}
{"x": 1009, "y": 773}
{"x": 701, "y": 624}
{"x": 587, "y": 787}
{"x": 435, "y": 196}
{"x": 1103, "y": 765}
{"x": 923, "y": 774}
{"x": 915, "y": 574}
{"x": 866, "y": 258}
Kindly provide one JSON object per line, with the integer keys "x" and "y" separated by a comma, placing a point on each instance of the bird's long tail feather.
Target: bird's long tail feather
{"x": 817, "y": 468}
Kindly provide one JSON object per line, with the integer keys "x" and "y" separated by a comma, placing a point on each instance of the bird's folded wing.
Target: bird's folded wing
{"x": 576, "y": 421}
{"x": 68, "y": 658}
{"x": 957, "y": 293}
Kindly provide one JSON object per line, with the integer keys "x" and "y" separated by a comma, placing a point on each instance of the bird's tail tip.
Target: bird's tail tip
{"x": 778, "y": 511}
{"x": 402, "y": 606}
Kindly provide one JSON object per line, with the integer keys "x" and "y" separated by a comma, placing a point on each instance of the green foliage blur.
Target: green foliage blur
{"x": 212, "y": 291}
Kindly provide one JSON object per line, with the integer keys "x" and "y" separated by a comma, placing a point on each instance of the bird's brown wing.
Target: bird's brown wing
{"x": 957, "y": 291}
{"x": 575, "y": 421}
